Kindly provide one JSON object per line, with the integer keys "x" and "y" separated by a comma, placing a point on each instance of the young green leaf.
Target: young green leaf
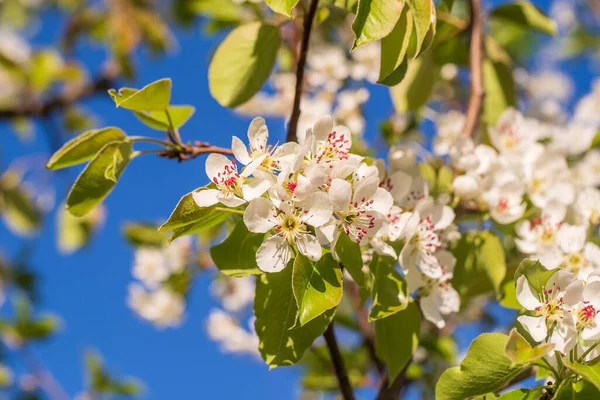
{"x": 188, "y": 217}
{"x": 160, "y": 121}
{"x": 375, "y": 19}
{"x": 397, "y": 338}
{"x": 522, "y": 394}
{"x": 389, "y": 288}
{"x": 490, "y": 256}
{"x": 17, "y": 207}
{"x": 424, "y": 16}
{"x": 98, "y": 178}
{"x": 537, "y": 275}
{"x": 84, "y": 147}
{"x": 526, "y": 15}
{"x": 589, "y": 371}
{"x": 500, "y": 90}
{"x": 414, "y": 90}
{"x": 485, "y": 369}
{"x": 570, "y": 390}
{"x": 520, "y": 352}
{"x": 236, "y": 255}
{"x": 393, "y": 50}
{"x": 153, "y": 97}
{"x": 139, "y": 234}
{"x": 317, "y": 286}
{"x": 349, "y": 255}
{"x": 243, "y": 62}
{"x": 76, "y": 232}
{"x": 284, "y": 7}
{"x": 275, "y": 310}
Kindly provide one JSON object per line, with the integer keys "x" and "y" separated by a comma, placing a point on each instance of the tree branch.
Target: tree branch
{"x": 66, "y": 98}
{"x": 476, "y": 68}
{"x": 338, "y": 363}
{"x": 189, "y": 151}
{"x": 292, "y": 135}
{"x": 46, "y": 380}
{"x": 392, "y": 392}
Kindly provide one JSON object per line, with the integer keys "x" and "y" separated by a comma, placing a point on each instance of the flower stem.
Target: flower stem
{"x": 231, "y": 210}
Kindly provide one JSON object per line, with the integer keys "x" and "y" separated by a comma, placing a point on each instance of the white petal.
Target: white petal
{"x": 286, "y": 155}
{"x": 303, "y": 188}
{"x": 240, "y": 151}
{"x": 215, "y": 164}
{"x": 250, "y": 168}
{"x": 573, "y": 293}
{"x": 317, "y": 209}
{"x": 382, "y": 201}
{"x": 399, "y": 183}
{"x": 325, "y": 233}
{"x": 365, "y": 189}
{"x": 255, "y": 189}
{"x": 344, "y": 134}
{"x": 430, "y": 266}
{"x": 309, "y": 246}
{"x": 259, "y": 215}
{"x": 206, "y": 197}
{"x": 525, "y": 295}
{"x": 431, "y": 311}
{"x": 273, "y": 254}
{"x": 258, "y": 134}
{"x": 323, "y": 127}
{"x": 340, "y": 194}
{"x": 591, "y": 293}
{"x": 592, "y": 332}
{"x": 230, "y": 200}
{"x": 536, "y": 326}
{"x": 414, "y": 280}
{"x": 442, "y": 217}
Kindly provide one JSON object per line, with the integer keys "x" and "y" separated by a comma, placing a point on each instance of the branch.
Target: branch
{"x": 46, "y": 380}
{"x": 476, "y": 67}
{"x": 338, "y": 362}
{"x": 66, "y": 98}
{"x": 392, "y": 392}
{"x": 189, "y": 151}
{"x": 308, "y": 23}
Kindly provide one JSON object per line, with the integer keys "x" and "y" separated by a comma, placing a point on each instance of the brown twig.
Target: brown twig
{"x": 476, "y": 68}
{"x": 192, "y": 150}
{"x": 392, "y": 392}
{"x": 46, "y": 380}
{"x": 338, "y": 363}
{"x": 66, "y": 98}
{"x": 292, "y": 133}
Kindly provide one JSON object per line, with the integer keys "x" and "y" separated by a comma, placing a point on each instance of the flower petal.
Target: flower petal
{"x": 309, "y": 246}
{"x": 340, "y": 193}
{"x": 206, "y": 197}
{"x": 255, "y": 189}
{"x": 258, "y": 134}
{"x": 323, "y": 127}
{"x": 215, "y": 165}
{"x": 259, "y": 215}
{"x": 525, "y": 295}
{"x": 317, "y": 209}
{"x": 230, "y": 200}
{"x": 273, "y": 254}
{"x": 536, "y": 326}
{"x": 240, "y": 151}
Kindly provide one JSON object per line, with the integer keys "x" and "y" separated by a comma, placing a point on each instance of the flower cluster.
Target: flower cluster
{"x": 304, "y": 196}
{"x": 152, "y": 297}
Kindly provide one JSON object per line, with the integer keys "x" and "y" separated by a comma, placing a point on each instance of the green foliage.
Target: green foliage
{"x": 537, "y": 275}
{"x": 389, "y": 288}
{"x": 375, "y": 19}
{"x": 319, "y": 368}
{"x": 84, "y": 147}
{"x": 243, "y": 62}
{"x": 414, "y": 90}
{"x": 275, "y": 310}
{"x": 236, "y": 255}
{"x": 25, "y": 326}
{"x": 141, "y": 234}
{"x": 152, "y": 97}
{"x": 188, "y": 218}
{"x": 485, "y": 369}
{"x": 159, "y": 120}
{"x": 393, "y": 50}
{"x": 317, "y": 286}
{"x": 284, "y": 7}
{"x": 75, "y": 232}
{"x": 397, "y": 338}
{"x": 589, "y": 371}
{"x": 102, "y": 382}
{"x": 17, "y": 206}
{"x": 99, "y": 177}
{"x": 521, "y": 394}
{"x": 571, "y": 390}
{"x": 480, "y": 264}
{"x": 424, "y": 16}
{"x": 520, "y": 352}
{"x": 349, "y": 255}
{"x": 500, "y": 89}
{"x": 525, "y": 15}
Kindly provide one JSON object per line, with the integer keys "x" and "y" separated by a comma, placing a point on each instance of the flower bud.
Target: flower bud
{"x": 466, "y": 187}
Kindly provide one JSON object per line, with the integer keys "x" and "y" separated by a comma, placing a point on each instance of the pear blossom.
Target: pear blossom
{"x": 449, "y": 128}
{"x": 232, "y": 338}
{"x": 505, "y": 201}
{"x": 154, "y": 265}
{"x": 235, "y": 293}
{"x": 539, "y": 234}
{"x": 288, "y": 222}
{"x": 162, "y": 307}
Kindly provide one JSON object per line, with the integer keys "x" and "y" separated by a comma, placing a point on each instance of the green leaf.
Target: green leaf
{"x": 236, "y": 255}
{"x": 537, "y": 275}
{"x": 520, "y": 352}
{"x": 490, "y": 256}
{"x": 158, "y": 119}
{"x": 485, "y": 369}
{"x": 350, "y": 256}
{"x": 188, "y": 218}
{"x": 319, "y": 368}
{"x": 284, "y": 7}
{"x": 139, "y": 234}
{"x": 526, "y": 15}
{"x": 569, "y": 390}
{"x": 75, "y": 232}
{"x": 590, "y": 371}
{"x": 17, "y": 206}
{"x": 389, "y": 288}
{"x": 500, "y": 90}
{"x": 522, "y": 394}
{"x": 348, "y": 5}
{"x": 393, "y": 51}
{"x": 375, "y": 19}
{"x": 317, "y": 286}
{"x": 84, "y": 147}
{"x": 243, "y": 62}
{"x": 98, "y": 178}
{"x": 275, "y": 310}
{"x": 153, "y": 97}
{"x": 415, "y": 89}
{"x": 397, "y": 338}
{"x": 423, "y": 13}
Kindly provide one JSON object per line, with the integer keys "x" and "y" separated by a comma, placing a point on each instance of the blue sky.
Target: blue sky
{"x": 88, "y": 289}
